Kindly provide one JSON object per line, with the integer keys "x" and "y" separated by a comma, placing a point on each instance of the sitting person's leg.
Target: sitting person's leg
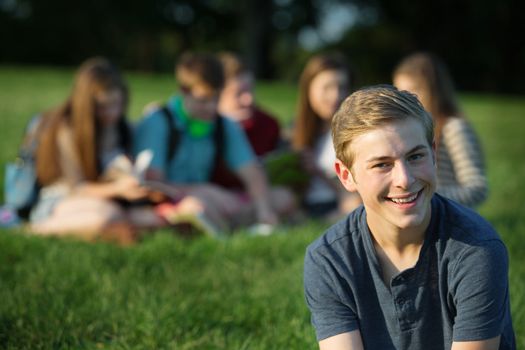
{"x": 199, "y": 207}
{"x": 84, "y": 217}
{"x": 283, "y": 202}
{"x": 238, "y": 209}
{"x": 144, "y": 217}
{"x": 224, "y": 209}
{"x": 228, "y": 209}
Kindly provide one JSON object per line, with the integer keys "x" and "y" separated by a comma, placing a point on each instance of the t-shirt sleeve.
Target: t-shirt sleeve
{"x": 238, "y": 151}
{"x": 480, "y": 292}
{"x": 152, "y": 133}
{"x": 329, "y": 314}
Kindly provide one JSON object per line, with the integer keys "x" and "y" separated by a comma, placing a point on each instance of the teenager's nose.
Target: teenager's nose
{"x": 402, "y": 175}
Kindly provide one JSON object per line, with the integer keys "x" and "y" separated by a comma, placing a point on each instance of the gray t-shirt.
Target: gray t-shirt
{"x": 457, "y": 291}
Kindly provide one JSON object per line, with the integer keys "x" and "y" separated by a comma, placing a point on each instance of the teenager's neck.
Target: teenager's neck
{"x": 396, "y": 249}
{"x": 390, "y": 237}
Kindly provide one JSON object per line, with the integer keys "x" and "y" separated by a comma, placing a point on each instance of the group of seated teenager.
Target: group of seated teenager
{"x": 209, "y": 159}
{"x": 406, "y": 266}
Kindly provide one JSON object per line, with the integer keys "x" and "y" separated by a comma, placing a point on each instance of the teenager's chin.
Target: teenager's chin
{"x": 411, "y": 222}
{"x": 415, "y": 219}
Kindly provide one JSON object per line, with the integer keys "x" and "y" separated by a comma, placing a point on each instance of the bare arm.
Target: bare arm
{"x": 488, "y": 344}
{"x": 345, "y": 341}
{"x": 125, "y": 187}
{"x": 155, "y": 179}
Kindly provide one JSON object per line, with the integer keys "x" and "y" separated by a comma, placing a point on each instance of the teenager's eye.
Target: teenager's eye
{"x": 416, "y": 156}
{"x": 380, "y": 165}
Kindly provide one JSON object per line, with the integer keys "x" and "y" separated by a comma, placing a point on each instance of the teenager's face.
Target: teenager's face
{"x": 327, "y": 90}
{"x": 394, "y": 173}
{"x": 408, "y": 83}
{"x": 201, "y": 102}
{"x": 236, "y": 99}
{"x": 109, "y": 106}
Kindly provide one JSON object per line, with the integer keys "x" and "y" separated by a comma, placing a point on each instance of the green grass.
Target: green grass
{"x": 170, "y": 293}
{"x": 164, "y": 293}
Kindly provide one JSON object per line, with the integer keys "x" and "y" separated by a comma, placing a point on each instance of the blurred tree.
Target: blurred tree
{"x": 149, "y": 34}
{"x": 480, "y": 40}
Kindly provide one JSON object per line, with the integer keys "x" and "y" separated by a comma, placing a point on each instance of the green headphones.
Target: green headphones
{"x": 197, "y": 128}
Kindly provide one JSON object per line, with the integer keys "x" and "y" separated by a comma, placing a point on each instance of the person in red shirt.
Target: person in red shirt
{"x": 237, "y": 102}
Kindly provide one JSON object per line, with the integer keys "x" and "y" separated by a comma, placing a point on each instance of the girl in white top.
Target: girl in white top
{"x": 324, "y": 83}
{"x": 460, "y": 161}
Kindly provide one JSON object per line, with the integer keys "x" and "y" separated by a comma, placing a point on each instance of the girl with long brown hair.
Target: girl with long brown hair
{"x": 78, "y": 142}
{"x": 460, "y": 161}
{"x": 323, "y": 85}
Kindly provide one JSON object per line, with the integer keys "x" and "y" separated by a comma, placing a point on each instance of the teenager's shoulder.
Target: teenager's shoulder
{"x": 341, "y": 235}
{"x": 458, "y": 127}
{"x": 455, "y": 122}
{"x": 233, "y": 130}
{"x": 156, "y": 109}
{"x": 153, "y": 117}
{"x": 462, "y": 223}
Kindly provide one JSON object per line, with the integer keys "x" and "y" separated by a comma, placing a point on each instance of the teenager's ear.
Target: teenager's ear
{"x": 345, "y": 176}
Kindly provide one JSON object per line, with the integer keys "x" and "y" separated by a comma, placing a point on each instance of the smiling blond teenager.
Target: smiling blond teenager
{"x": 409, "y": 269}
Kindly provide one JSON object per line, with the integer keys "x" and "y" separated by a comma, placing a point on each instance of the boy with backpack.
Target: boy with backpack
{"x": 189, "y": 138}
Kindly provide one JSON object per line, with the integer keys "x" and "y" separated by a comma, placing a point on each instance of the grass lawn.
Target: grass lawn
{"x": 169, "y": 293}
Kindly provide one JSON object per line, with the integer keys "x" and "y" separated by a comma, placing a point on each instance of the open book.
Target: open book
{"x": 122, "y": 165}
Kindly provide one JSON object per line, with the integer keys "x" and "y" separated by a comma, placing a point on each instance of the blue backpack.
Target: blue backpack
{"x": 20, "y": 185}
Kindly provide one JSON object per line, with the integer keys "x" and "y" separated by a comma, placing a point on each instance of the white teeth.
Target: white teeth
{"x": 404, "y": 200}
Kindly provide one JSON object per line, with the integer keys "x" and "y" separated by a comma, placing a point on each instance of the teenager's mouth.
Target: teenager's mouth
{"x": 405, "y": 199}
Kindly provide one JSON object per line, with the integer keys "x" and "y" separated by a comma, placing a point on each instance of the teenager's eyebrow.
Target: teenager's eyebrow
{"x": 418, "y": 148}
{"x": 383, "y": 158}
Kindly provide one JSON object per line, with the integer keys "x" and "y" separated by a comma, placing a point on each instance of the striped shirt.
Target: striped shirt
{"x": 460, "y": 164}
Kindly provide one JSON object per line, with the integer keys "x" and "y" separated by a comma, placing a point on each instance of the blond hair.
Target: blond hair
{"x": 371, "y": 107}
